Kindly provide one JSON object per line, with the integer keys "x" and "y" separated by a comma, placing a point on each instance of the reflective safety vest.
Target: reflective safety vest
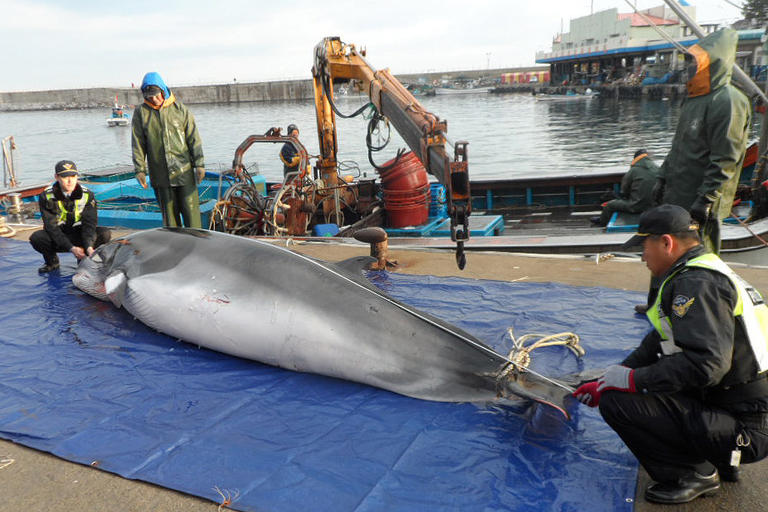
{"x": 78, "y": 210}
{"x": 750, "y": 306}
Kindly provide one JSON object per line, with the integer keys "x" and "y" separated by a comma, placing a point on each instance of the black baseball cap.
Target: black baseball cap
{"x": 66, "y": 168}
{"x": 665, "y": 219}
{"x": 150, "y": 91}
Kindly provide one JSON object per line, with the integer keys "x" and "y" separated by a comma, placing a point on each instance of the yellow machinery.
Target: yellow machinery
{"x": 423, "y": 131}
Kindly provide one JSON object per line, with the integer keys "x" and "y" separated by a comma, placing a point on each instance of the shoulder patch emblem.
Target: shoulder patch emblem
{"x": 681, "y": 304}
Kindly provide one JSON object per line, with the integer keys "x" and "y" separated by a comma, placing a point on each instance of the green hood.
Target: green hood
{"x": 715, "y": 55}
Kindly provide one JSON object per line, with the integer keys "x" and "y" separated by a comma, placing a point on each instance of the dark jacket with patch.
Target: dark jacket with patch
{"x": 50, "y": 211}
{"x": 716, "y": 362}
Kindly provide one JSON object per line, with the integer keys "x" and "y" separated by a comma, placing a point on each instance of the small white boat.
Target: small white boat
{"x": 566, "y": 97}
{"x": 469, "y": 90}
{"x": 117, "y": 121}
{"x": 119, "y": 116}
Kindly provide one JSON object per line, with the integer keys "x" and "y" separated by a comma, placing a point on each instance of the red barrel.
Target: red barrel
{"x": 406, "y": 192}
{"x": 408, "y": 174}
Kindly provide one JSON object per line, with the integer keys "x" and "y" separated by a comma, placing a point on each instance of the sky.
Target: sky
{"x": 97, "y": 43}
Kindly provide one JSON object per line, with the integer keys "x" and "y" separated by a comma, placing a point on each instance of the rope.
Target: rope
{"x": 227, "y": 497}
{"x": 7, "y": 231}
{"x": 520, "y": 355}
{"x": 746, "y": 226}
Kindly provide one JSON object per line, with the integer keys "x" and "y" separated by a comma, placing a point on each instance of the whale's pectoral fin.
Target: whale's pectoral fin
{"x": 115, "y": 285}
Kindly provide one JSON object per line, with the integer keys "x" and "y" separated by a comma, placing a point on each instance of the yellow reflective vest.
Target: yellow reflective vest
{"x": 62, "y": 210}
{"x": 750, "y": 309}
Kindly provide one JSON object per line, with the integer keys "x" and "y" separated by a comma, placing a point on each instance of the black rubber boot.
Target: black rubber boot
{"x": 51, "y": 264}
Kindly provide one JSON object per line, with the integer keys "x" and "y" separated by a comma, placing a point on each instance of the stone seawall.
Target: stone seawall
{"x": 105, "y": 97}
{"x": 219, "y": 93}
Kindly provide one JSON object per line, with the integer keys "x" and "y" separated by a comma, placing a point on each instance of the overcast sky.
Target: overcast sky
{"x": 98, "y": 43}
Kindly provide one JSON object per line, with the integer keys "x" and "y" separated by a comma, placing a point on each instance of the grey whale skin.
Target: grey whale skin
{"x": 254, "y": 300}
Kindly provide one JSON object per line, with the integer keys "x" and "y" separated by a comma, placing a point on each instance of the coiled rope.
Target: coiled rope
{"x": 521, "y": 354}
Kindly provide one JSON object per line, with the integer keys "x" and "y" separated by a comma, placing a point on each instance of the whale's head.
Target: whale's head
{"x": 93, "y": 271}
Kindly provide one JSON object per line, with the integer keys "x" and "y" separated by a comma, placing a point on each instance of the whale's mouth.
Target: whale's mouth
{"x": 88, "y": 277}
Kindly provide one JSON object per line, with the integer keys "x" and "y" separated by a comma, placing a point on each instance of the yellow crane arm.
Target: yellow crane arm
{"x": 421, "y": 130}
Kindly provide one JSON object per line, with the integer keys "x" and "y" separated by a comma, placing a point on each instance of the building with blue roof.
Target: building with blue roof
{"x": 634, "y": 48}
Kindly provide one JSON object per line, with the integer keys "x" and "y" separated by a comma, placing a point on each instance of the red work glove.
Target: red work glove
{"x": 588, "y": 394}
{"x": 619, "y": 378}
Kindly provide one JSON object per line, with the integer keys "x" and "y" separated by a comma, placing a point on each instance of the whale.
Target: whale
{"x": 256, "y": 300}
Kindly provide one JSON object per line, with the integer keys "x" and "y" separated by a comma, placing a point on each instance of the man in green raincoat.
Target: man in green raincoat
{"x": 701, "y": 171}
{"x": 166, "y": 142}
{"x": 636, "y": 188}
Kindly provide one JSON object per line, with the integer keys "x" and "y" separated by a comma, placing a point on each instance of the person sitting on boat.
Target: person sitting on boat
{"x": 691, "y": 401}
{"x": 166, "y": 143}
{"x": 69, "y": 214}
{"x": 636, "y": 189}
{"x": 288, "y": 154}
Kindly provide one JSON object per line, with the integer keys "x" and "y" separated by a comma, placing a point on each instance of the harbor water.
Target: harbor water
{"x": 511, "y": 135}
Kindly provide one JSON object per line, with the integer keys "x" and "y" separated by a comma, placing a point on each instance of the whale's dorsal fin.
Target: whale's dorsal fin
{"x": 114, "y": 286}
{"x": 356, "y": 265}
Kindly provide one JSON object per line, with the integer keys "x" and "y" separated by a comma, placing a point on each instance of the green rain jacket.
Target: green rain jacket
{"x": 166, "y": 140}
{"x": 712, "y": 132}
{"x": 637, "y": 185}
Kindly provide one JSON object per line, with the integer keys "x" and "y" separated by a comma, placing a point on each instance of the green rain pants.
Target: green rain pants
{"x": 177, "y": 203}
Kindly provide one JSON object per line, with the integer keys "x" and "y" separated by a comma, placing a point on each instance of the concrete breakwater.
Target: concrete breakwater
{"x": 235, "y": 92}
{"x": 104, "y": 97}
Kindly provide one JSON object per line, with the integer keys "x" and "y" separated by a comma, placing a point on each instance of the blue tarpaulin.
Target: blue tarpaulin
{"x": 88, "y": 383}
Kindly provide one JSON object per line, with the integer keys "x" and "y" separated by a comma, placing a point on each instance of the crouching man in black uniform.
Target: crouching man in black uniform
{"x": 691, "y": 401}
{"x": 69, "y": 219}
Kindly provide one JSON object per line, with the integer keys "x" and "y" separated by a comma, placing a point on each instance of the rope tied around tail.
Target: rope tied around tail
{"x": 520, "y": 354}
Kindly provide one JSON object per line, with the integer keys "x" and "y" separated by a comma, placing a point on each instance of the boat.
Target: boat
{"x": 569, "y": 96}
{"x": 123, "y": 203}
{"x": 462, "y": 90}
{"x": 119, "y": 115}
{"x": 550, "y": 215}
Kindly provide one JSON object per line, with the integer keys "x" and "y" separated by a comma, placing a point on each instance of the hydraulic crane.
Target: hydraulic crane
{"x": 424, "y": 132}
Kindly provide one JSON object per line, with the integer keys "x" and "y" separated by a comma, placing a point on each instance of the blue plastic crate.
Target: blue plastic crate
{"x": 325, "y": 230}
{"x": 479, "y": 225}
{"x": 623, "y": 222}
{"x": 425, "y": 229}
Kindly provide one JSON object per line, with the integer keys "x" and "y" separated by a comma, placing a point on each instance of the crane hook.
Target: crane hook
{"x": 461, "y": 258}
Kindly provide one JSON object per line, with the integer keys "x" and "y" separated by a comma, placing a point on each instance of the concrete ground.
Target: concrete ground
{"x": 36, "y": 481}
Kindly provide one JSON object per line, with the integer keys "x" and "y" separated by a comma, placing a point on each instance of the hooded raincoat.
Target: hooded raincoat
{"x": 711, "y": 138}
{"x": 165, "y": 140}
